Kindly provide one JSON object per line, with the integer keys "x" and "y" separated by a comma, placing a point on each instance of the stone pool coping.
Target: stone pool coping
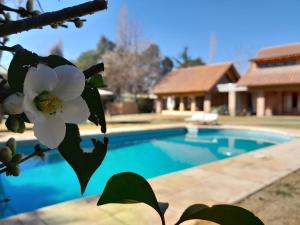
{"x": 225, "y": 181}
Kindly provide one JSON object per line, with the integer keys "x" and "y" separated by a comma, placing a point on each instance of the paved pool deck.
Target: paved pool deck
{"x": 226, "y": 181}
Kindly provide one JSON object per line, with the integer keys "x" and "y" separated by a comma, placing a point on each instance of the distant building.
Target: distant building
{"x": 194, "y": 89}
{"x": 273, "y": 81}
{"x": 271, "y": 86}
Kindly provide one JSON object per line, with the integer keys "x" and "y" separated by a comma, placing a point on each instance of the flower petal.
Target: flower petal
{"x": 75, "y": 111}
{"x": 32, "y": 113}
{"x": 40, "y": 78}
{"x": 71, "y": 82}
{"x": 51, "y": 131}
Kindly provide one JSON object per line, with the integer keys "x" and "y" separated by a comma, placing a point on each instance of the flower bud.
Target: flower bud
{"x": 78, "y": 22}
{"x": 12, "y": 144}
{"x": 35, "y": 12}
{"x": 13, "y": 170}
{"x": 5, "y": 154}
{"x": 13, "y": 104}
{"x": 17, "y": 158}
{"x": 54, "y": 25}
{"x": 29, "y": 5}
{"x": 15, "y": 124}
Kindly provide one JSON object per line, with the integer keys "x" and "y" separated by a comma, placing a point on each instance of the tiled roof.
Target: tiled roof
{"x": 278, "y": 51}
{"x": 283, "y": 75}
{"x": 194, "y": 79}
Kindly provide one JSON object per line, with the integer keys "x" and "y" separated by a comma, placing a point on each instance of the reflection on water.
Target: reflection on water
{"x": 150, "y": 154}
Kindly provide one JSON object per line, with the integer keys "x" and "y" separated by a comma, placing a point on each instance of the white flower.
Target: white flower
{"x": 13, "y": 104}
{"x": 51, "y": 99}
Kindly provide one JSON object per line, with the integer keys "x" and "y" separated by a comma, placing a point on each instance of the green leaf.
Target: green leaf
{"x": 221, "y": 214}
{"x": 93, "y": 100}
{"x": 55, "y": 60}
{"x": 128, "y": 188}
{"x": 96, "y": 81}
{"x": 22, "y": 61}
{"x": 15, "y": 124}
{"x": 83, "y": 163}
{"x": 18, "y": 68}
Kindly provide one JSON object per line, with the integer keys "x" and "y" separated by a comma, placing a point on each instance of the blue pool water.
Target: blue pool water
{"x": 150, "y": 154}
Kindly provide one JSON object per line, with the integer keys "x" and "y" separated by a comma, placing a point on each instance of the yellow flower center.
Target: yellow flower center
{"x": 47, "y": 102}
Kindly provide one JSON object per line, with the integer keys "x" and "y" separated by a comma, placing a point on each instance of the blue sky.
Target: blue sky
{"x": 240, "y": 27}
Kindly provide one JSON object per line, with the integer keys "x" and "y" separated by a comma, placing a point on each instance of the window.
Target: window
{"x": 276, "y": 64}
{"x": 294, "y": 100}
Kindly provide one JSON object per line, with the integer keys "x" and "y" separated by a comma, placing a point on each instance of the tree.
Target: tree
{"x": 166, "y": 65}
{"x": 57, "y": 49}
{"x": 91, "y": 57}
{"x": 150, "y": 61}
{"x": 104, "y": 45}
{"x": 185, "y": 60}
{"x": 129, "y": 33}
{"x": 212, "y": 47}
{"x": 140, "y": 70}
{"x": 86, "y": 59}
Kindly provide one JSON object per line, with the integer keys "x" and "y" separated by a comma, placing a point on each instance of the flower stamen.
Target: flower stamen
{"x": 47, "y": 102}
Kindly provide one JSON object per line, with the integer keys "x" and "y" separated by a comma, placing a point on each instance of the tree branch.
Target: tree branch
{"x": 45, "y": 19}
{"x": 38, "y": 151}
{"x": 15, "y": 48}
{"x": 98, "y": 68}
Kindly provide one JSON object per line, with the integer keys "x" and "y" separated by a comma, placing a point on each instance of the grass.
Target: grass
{"x": 274, "y": 121}
{"x": 152, "y": 119}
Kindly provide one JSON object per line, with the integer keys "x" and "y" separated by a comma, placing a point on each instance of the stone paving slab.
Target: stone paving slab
{"x": 226, "y": 181}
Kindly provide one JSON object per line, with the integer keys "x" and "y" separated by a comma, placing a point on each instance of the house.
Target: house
{"x": 273, "y": 81}
{"x": 193, "y": 89}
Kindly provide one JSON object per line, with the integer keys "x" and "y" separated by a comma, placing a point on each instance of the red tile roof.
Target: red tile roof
{"x": 195, "y": 79}
{"x": 283, "y": 75}
{"x": 278, "y": 51}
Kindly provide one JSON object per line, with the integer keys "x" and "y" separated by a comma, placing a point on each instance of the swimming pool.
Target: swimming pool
{"x": 149, "y": 153}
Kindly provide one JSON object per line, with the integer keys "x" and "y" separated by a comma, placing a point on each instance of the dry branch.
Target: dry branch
{"x": 45, "y": 19}
{"x": 98, "y": 68}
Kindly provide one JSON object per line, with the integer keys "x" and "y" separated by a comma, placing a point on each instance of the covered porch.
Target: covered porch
{"x": 276, "y": 101}
{"x": 190, "y": 103}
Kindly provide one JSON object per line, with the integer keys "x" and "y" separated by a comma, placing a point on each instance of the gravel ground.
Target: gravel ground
{"x": 277, "y": 204}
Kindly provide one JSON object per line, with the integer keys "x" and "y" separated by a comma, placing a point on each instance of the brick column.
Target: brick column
{"x": 260, "y": 103}
{"x": 207, "y": 103}
{"x": 158, "y": 105}
{"x": 232, "y": 103}
{"x": 279, "y": 103}
{"x": 288, "y": 102}
{"x": 193, "y": 104}
{"x": 1, "y": 113}
{"x": 181, "y": 104}
{"x": 298, "y": 104}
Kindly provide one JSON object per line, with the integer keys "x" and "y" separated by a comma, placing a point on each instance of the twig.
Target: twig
{"x": 40, "y": 5}
{"x": 38, "y": 152}
{"x": 94, "y": 70}
{"x": 6, "y": 8}
{"x": 45, "y": 19}
{"x": 21, "y": 11}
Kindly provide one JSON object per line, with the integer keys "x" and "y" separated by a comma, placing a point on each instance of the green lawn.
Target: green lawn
{"x": 274, "y": 121}
{"x": 148, "y": 119}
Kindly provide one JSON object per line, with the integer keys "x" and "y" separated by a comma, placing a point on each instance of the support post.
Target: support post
{"x": 232, "y": 103}
{"x": 193, "y": 104}
{"x": 207, "y": 103}
{"x": 298, "y": 104}
{"x": 158, "y": 105}
{"x": 181, "y": 105}
{"x": 260, "y": 104}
